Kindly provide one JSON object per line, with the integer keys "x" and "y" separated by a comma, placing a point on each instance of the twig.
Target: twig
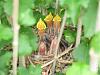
{"x": 65, "y": 52}
{"x": 30, "y": 61}
{"x": 98, "y": 19}
{"x": 79, "y": 29}
{"x": 22, "y": 61}
{"x": 65, "y": 61}
{"x": 57, "y": 2}
{"x": 16, "y": 28}
{"x": 47, "y": 63}
{"x": 58, "y": 41}
{"x": 60, "y": 55}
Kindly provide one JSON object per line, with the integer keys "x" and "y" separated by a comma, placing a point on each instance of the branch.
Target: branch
{"x": 16, "y": 28}
{"x": 94, "y": 57}
{"x": 22, "y": 61}
{"x": 60, "y": 55}
{"x": 57, "y": 3}
{"x": 98, "y": 19}
{"x": 79, "y": 29}
{"x": 58, "y": 41}
{"x": 94, "y": 61}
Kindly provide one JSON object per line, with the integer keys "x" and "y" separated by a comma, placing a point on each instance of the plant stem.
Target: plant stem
{"x": 22, "y": 61}
{"x": 56, "y": 7}
{"x": 58, "y": 41}
{"x": 98, "y": 19}
{"x": 94, "y": 57}
{"x": 16, "y": 28}
{"x": 79, "y": 29}
{"x": 94, "y": 61}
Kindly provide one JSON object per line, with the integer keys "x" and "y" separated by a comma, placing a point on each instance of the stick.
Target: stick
{"x": 65, "y": 61}
{"x": 98, "y": 20}
{"x": 16, "y": 28}
{"x": 57, "y": 2}
{"x": 47, "y": 63}
{"x": 60, "y": 55}
{"x": 31, "y": 61}
{"x": 79, "y": 29}
{"x": 22, "y": 61}
{"x": 65, "y": 52}
{"x": 58, "y": 41}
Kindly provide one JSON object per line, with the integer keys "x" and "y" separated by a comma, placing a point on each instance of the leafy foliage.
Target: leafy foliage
{"x": 27, "y": 41}
{"x": 30, "y": 11}
{"x": 80, "y": 69}
{"x": 43, "y": 3}
{"x": 74, "y": 8}
{"x": 25, "y": 12}
{"x": 81, "y": 53}
{"x": 95, "y": 42}
{"x": 35, "y": 70}
{"x": 70, "y": 36}
{"x": 22, "y": 71}
{"x": 37, "y": 15}
{"x": 89, "y": 19}
{"x": 5, "y": 63}
{"x": 1, "y": 8}
{"x": 31, "y": 70}
{"x": 27, "y": 15}
{"x": 5, "y": 32}
{"x": 8, "y": 6}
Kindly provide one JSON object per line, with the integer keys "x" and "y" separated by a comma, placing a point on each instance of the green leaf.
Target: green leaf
{"x": 25, "y": 11}
{"x": 51, "y": 9}
{"x": 27, "y": 41}
{"x": 95, "y": 42}
{"x": 89, "y": 19}
{"x": 73, "y": 69}
{"x": 25, "y": 4}
{"x": 0, "y": 21}
{"x": 3, "y": 43}
{"x": 48, "y": 2}
{"x": 81, "y": 53}
{"x": 37, "y": 15}
{"x": 60, "y": 73}
{"x": 70, "y": 36}
{"x": 5, "y": 59}
{"x": 67, "y": 3}
{"x": 84, "y": 3}
{"x": 74, "y": 12}
{"x": 35, "y": 70}
{"x": 80, "y": 69}
{"x": 1, "y": 8}
{"x": 8, "y": 6}
{"x": 24, "y": 45}
{"x": 26, "y": 18}
{"x": 34, "y": 41}
{"x": 22, "y": 71}
{"x": 99, "y": 70}
{"x": 42, "y": 3}
{"x": 5, "y": 32}
{"x": 31, "y": 70}
{"x": 61, "y": 13}
{"x": 4, "y": 71}
{"x": 73, "y": 8}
